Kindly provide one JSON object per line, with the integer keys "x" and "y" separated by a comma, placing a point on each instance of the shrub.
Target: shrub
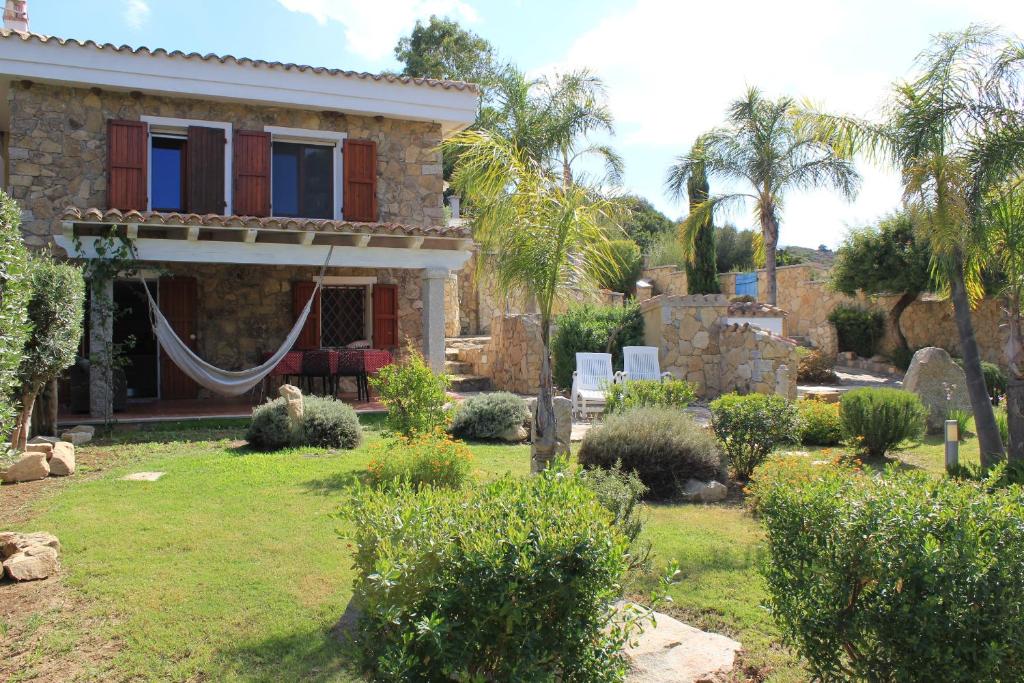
{"x": 820, "y": 424}
{"x": 995, "y": 378}
{"x": 423, "y": 459}
{"x": 815, "y": 367}
{"x": 512, "y": 581}
{"x": 752, "y": 426}
{"x": 903, "y": 577}
{"x": 877, "y": 421}
{"x": 626, "y": 263}
{"x": 15, "y": 292}
{"x": 620, "y": 493}
{"x": 860, "y": 329}
{"x": 663, "y": 446}
{"x": 586, "y": 328}
{"x": 793, "y": 470}
{"x": 901, "y": 358}
{"x": 646, "y": 393}
{"x": 413, "y": 394}
{"x": 329, "y": 423}
{"x": 326, "y": 423}
{"x": 1003, "y": 424}
{"x": 488, "y": 416}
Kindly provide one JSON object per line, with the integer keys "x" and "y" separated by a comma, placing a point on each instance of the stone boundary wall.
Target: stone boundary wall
{"x": 756, "y": 361}
{"x": 513, "y": 356}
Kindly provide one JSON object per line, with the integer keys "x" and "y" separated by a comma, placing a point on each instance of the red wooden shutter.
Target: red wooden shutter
{"x": 385, "y": 316}
{"x": 178, "y": 299}
{"x": 252, "y": 173}
{"x": 359, "y": 198}
{"x": 127, "y": 143}
{"x": 205, "y": 162}
{"x": 310, "y": 336}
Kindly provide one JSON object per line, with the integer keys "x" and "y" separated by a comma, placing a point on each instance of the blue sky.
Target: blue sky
{"x": 671, "y": 67}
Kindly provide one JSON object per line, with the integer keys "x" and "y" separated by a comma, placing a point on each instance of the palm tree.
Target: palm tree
{"x": 1004, "y": 224}
{"x": 954, "y": 131}
{"x": 766, "y": 148}
{"x": 541, "y": 236}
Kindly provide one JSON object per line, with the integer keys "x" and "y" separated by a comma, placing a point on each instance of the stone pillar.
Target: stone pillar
{"x": 101, "y": 339}
{"x": 433, "y": 317}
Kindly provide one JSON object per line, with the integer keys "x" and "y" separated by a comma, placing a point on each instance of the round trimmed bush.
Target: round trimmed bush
{"x": 663, "y": 446}
{"x": 751, "y": 426}
{"x": 819, "y": 423}
{"x": 879, "y": 420}
{"x": 326, "y": 423}
{"x": 488, "y": 416}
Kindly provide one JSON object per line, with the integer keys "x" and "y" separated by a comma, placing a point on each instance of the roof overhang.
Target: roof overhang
{"x": 217, "y": 241}
{"x": 68, "y": 62}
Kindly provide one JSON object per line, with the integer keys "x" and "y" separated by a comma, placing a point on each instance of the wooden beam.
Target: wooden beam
{"x": 132, "y": 231}
{"x": 193, "y": 233}
{"x": 307, "y": 237}
{"x": 362, "y": 240}
{"x": 68, "y": 229}
{"x": 250, "y": 235}
{"x": 415, "y": 242}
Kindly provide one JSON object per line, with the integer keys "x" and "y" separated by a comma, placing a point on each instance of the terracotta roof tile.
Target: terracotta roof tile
{"x": 95, "y": 215}
{"x": 225, "y": 59}
{"x": 755, "y": 309}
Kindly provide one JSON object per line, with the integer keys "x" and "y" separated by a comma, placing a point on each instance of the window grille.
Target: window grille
{"x": 342, "y": 315}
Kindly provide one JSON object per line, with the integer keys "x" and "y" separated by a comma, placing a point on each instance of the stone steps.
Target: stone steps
{"x": 456, "y": 367}
{"x": 470, "y": 383}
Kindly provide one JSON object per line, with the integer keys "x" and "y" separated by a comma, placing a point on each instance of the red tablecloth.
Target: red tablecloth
{"x": 369, "y": 361}
{"x": 375, "y": 359}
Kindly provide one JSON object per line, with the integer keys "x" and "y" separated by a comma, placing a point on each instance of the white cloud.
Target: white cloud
{"x": 136, "y": 13}
{"x": 373, "y": 27}
{"x": 672, "y": 68}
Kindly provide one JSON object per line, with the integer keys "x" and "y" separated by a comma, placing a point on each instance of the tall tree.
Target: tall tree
{"x": 954, "y": 131}
{"x": 644, "y": 224}
{"x": 766, "y": 147}
{"x": 885, "y": 259}
{"x": 701, "y": 270}
{"x": 734, "y": 249}
{"x": 15, "y": 292}
{"x": 1004, "y": 225}
{"x": 539, "y": 236}
{"x": 444, "y": 50}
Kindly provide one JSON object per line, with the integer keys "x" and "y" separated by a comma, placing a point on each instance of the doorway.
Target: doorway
{"x": 134, "y": 334}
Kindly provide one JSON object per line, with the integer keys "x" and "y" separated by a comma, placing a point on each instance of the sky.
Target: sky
{"x": 671, "y": 68}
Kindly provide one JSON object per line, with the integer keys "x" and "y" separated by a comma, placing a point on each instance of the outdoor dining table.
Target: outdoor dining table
{"x": 332, "y": 364}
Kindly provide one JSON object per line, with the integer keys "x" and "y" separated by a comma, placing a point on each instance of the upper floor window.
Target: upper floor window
{"x": 303, "y": 180}
{"x": 167, "y": 184}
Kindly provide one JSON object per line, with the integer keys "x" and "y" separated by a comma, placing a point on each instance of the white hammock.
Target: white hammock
{"x": 224, "y": 382}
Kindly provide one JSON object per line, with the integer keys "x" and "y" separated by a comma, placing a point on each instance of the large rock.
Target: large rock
{"x": 939, "y": 383}
{"x": 28, "y": 557}
{"x": 79, "y": 435}
{"x": 296, "y": 406}
{"x": 31, "y": 466}
{"x": 62, "y": 462}
{"x": 514, "y": 434}
{"x": 676, "y": 653}
{"x": 46, "y": 448}
{"x": 696, "y": 491}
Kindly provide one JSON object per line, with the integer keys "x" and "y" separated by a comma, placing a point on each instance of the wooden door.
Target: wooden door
{"x": 385, "y": 316}
{"x": 178, "y": 304}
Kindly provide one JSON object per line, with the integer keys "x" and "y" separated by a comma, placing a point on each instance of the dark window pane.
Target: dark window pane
{"x": 341, "y": 315}
{"x": 285, "y": 179}
{"x": 168, "y": 167}
{"x": 303, "y": 180}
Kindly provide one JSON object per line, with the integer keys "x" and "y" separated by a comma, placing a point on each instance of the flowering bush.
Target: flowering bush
{"x": 794, "y": 470}
{"x": 647, "y": 393}
{"x": 428, "y": 459}
{"x": 414, "y": 395}
{"x": 820, "y": 424}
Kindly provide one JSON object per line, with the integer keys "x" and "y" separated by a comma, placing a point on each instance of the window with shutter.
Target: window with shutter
{"x": 360, "y": 178}
{"x": 127, "y": 149}
{"x": 310, "y": 336}
{"x": 252, "y": 173}
{"x": 385, "y": 316}
{"x": 205, "y": 177}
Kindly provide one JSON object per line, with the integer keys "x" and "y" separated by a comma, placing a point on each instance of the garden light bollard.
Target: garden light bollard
{"x": 952, "y": 433}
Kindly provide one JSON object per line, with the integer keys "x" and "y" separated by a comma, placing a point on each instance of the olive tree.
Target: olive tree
{"x": 55, "y": 312}
{"x": 15, "y": 290}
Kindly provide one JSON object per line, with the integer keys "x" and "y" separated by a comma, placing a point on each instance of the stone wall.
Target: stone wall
{"x": 513, "y": 357}
{"x": 755, "y": 361}
{"x": 667, "y": 280}
{"x": 57, "y": 148}
{"x": 695, "y": 343}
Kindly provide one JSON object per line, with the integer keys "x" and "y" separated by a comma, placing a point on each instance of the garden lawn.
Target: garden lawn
{"x": 230, "y": 567}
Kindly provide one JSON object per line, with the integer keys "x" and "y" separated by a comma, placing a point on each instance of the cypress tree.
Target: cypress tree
{"x": 701, "y": 269}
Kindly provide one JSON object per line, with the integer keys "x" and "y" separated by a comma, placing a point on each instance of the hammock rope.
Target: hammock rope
{"x": 225, "y": 382}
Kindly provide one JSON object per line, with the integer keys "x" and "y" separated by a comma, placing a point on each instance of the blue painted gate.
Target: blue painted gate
{"x": 746, "y": 284}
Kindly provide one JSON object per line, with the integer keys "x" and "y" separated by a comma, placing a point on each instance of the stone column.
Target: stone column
{"x": 101, "y": 339}
{"x": 433, "y": 317}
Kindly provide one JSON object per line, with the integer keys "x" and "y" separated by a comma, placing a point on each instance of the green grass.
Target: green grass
{"x": 231, "y": 567}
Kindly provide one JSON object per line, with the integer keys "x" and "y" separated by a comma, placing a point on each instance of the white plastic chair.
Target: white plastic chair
{"x": 590, "y": 380}
{"x": 640, "y": 362}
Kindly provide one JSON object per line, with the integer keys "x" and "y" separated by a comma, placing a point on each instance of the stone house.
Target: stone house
{"x": 232, "y": 178}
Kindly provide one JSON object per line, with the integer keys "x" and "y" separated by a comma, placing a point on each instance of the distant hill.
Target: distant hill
{"x": 808, "y": 255}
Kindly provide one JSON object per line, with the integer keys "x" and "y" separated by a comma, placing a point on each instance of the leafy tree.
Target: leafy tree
{"x": 627, "y": 264}
{"x": 15, "y": 291}
{"x": 885, "y": 259}
{"x": 55, "y": 312}
{"x": 539, "y": 235}
{"x": 644, "y": 224}
{"x": 701, "y": 274}
{"x": 767, "y": 147}
{"x": 734, "y": 249}
{"x": 444, "y": 50}
{"x": 954, "y": 131}
{"x": 1004, "y": 224}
